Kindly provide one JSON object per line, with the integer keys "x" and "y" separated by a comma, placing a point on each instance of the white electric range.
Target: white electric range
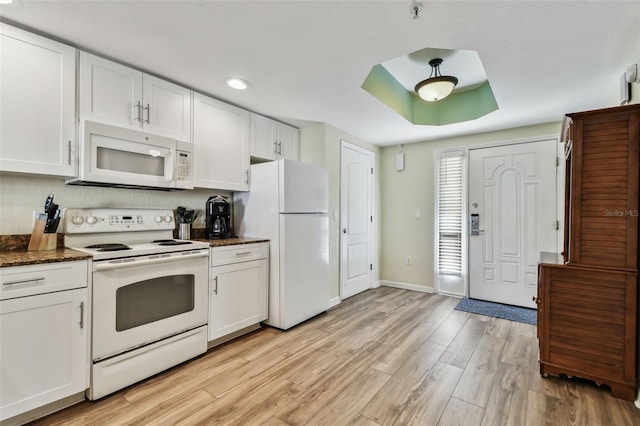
{"x": 149, "y": 293}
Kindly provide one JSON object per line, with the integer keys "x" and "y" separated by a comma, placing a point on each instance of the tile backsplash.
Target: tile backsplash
{"x": 22, "y": 196}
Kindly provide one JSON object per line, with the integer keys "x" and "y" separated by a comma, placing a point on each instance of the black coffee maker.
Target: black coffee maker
{"x": 218, "y": 217}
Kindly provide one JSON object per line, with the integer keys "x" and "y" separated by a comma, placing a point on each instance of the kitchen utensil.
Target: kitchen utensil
{"x": 184, "y": 231}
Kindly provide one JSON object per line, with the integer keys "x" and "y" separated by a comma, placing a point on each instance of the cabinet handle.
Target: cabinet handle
{"x": 69, "y": 152}
{"x": 215, "y": 289}
{"x": 139, "y": 109}
{"x": 246, "y": 176}
{"x": 279, "y": 148}
{"x": 148, "y": 109}
{"x": 275, "y": 147}
{"x": 81, "y": 315}
{"x": 243, "y": 253}
{"x": 30, "y": 280}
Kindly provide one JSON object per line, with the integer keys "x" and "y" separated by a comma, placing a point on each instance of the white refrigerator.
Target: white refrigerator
{"x": 287, "y": 203}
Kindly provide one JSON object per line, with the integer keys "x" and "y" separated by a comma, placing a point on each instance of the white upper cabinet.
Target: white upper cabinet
{"x": 110, "y": 93}
{"x": 271, "y": 140}
{"x": 115, "y": 94}
{"x": 37, "y": 104}
{"x": 221, "y": 145}
{"x": 264, "y": 143}
{"x": 288, "y": 140}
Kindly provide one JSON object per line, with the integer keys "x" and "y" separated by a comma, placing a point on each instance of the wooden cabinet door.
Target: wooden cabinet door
{"x": 604, "y": 188}
{"x": 166, "y": 108}
{"x": 221, "y": 145}
{"x": 43, "y": 350}
{"x": 288, "y": 142}
{"x": 238, "y": 297}
{"x": 587, "y": 325}
{"x": 110, "y": 93}
{"x": 37, "y": 104}
{"x": 264, "y": 143}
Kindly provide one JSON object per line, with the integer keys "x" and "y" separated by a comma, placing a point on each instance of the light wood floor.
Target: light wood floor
{"x": 383, "y": 357}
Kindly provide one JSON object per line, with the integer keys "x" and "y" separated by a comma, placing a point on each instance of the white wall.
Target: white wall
{"x": 410, "y": 191}
{"x": 21, "y": 196}
{"x": 320, "y": 144}
{"x": 635, "y": 93}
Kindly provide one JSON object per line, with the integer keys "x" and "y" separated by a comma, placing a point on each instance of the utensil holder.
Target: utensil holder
{"x": 41, "y": 241}
{"x": 184, "y": 231}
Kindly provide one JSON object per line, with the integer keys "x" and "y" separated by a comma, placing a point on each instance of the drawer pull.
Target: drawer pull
{"x": 81, "y": 315}
{"x": 30, "y": 280}
{"x": 243, "y": 253}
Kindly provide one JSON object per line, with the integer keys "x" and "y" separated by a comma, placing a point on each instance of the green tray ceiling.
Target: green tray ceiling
{"x": 458, "y": 107}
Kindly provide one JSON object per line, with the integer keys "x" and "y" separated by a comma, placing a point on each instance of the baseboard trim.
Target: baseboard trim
{"x": 333, "y": 302}
{"x": 376, "y": 284}
{"x": 407, "y": 286}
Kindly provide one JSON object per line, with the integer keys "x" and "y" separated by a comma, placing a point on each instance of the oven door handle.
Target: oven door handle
{"x": 144, "y": 262}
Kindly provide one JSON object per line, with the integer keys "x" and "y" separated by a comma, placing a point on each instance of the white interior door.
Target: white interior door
{"x": 356, "y": 217}
{"x": 512, "y": 189}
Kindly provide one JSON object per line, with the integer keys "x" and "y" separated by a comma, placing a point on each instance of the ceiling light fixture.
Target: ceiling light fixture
{"x": 238, "y": 84}
{"x": 6, "y": 1}
{"x": 437, "y": 86}
{"x": 415, "y": 9}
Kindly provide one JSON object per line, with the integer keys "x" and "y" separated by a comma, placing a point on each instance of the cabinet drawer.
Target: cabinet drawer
{"x": 239, "y": 253}
{"x": 20, "y": 281}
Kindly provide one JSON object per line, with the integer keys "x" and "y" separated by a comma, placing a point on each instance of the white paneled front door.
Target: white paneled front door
{"x": 512, "y": 190}
{"x": 355, "y": 205}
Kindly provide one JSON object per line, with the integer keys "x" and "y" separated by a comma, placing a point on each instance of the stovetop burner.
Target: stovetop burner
{"x": 170, "y": 242}
{"x": 109, "y": 247}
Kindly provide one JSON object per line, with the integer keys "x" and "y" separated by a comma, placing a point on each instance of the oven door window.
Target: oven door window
{"x": 152, "y": 300}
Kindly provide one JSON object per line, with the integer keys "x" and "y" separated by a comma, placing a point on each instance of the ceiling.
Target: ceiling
{"x": 306, "y": 60}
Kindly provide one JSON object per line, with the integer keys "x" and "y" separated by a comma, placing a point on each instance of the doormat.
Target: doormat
{"x": 497, "y": 310}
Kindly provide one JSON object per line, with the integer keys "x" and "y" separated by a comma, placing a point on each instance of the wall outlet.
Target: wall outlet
{"x": 409, "y": 261}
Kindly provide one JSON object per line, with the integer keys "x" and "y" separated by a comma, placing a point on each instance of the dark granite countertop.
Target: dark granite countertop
{"x": 21, "y": 258}
{"x": 233, "y": 241}
{"x": 13, "y": 250}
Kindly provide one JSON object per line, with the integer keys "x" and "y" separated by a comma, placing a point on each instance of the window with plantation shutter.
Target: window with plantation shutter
{"x": 449, "y": 214}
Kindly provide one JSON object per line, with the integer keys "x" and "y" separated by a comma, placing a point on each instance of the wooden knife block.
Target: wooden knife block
{"x": 41, "y": 241}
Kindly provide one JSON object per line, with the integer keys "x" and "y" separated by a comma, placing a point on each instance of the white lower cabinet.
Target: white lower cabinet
{"x": 43, "y": 335}
{"x": 238, "y": 286}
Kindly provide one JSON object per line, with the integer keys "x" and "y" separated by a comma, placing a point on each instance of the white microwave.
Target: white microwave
{"x": 113, "y": 156}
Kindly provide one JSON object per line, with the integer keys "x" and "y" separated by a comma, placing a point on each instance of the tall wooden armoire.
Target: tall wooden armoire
{"x": 587, "y": 298}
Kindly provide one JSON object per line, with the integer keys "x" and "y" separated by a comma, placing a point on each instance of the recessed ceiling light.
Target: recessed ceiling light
{"x": 6, "y": 1}
{"x": 238, "y": 84}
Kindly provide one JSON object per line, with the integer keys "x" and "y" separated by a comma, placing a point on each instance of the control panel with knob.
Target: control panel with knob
{"x": 117, "y": 220}
{"x": 77, "y": 220}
